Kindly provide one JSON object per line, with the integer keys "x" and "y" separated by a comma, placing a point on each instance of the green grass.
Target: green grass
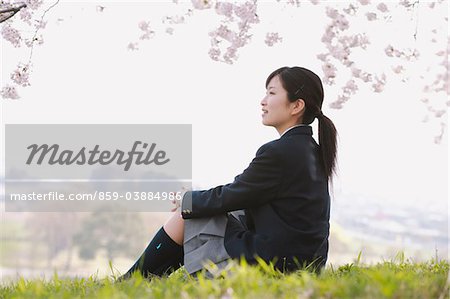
{"x": 397, "y": 278}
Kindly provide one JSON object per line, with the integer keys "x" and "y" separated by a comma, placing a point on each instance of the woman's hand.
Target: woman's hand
{"x": 175, "y": 201}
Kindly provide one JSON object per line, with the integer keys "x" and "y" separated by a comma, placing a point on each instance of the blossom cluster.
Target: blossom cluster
{"x": 234, "y": 31}
{"x": 342, "y": 39}
{"x": 27, "y": 15}
{"x": 273, "y": 38}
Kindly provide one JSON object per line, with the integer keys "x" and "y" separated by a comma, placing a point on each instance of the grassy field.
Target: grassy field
{"x": 397, "y": 278}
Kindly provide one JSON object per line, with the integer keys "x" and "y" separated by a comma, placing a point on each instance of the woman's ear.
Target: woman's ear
{"x": 298, "y": 107}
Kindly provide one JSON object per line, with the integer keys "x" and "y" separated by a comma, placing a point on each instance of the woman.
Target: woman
{"x": 278, "y": 209}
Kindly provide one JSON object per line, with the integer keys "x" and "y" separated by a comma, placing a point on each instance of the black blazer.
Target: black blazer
{"x": 284, "y": 192}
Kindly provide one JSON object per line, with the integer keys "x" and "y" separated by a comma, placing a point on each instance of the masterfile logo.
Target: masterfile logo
{"x": 91, "y": 157}
{"x": 80, "y": 167}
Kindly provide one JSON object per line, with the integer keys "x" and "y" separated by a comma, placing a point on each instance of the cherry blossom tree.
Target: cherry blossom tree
{"x": 344, "y": 40}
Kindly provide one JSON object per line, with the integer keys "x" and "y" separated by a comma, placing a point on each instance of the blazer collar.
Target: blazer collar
{"x": 299, "y": 130}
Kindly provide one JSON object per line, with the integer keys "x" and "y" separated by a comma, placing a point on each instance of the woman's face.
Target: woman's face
{"x": 277, "y": 110}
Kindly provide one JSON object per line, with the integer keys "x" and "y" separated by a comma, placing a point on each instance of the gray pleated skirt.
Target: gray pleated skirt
{"x": 204, "y": 241}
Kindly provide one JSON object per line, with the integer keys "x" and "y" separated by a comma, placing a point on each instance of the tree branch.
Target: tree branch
{"x": 37, "y": 29}
{"x": 7, "y": 13}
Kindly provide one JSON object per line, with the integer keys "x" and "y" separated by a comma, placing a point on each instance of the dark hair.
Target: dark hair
{"x": 302, "y": 83}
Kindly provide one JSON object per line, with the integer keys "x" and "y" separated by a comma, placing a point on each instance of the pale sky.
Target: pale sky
{"x": 84, "y": 73}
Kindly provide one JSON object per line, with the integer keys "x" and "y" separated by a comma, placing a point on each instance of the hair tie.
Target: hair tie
{"x": 319, "y": 114}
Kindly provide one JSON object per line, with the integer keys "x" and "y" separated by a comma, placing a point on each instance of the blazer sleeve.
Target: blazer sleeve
{"x": 256, "y": 185}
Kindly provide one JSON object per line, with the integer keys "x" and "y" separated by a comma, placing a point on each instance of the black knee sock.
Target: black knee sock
{"x": 162, "y": 255}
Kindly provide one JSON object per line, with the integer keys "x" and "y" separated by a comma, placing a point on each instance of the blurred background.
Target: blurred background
{"x": 151, "y": 62}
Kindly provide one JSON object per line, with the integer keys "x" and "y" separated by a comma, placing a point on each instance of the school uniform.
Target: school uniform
{"x": 277, "y": 209}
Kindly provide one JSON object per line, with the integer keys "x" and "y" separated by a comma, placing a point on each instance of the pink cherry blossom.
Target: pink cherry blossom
{"x": 406, "y": 3}
{"x": 339, "y": 103}
{"x": 133, "y": 46}
{"x": 169, "y": 30}
{"x": 25, "y": 15}
{"x": 11, "y": 34}
{"x": 322, "y": 56}
{"x": 329, "y": 71}
{"x": 350, "y": 87}
{"x": 371, "y": 16}
{"x": 351, "y": 9}
{"x": 329, "y": 34}
{"x": 225, "y": 33}
{"x": 398, "y": 69}
{"x": 364, "y": 2}
{"x": 247, "y": 12}
{"x": 224, "y": 8}
{"x": 366, "y": 77}
{"x": 359, "y": 40}
{"x": 145, "y": 27}
{"x": 438, "y": 138}
{"x": 201, "y": 4}
{"x": 406, "y": 54}
{"x": 389, "y": 51}
{"x": 214, "y": 53}
{"x": 332, "y": 12}
{"x": 34, "y": 4}
{"x": 9, "y": 92}
{"x": 272, "y": 38}
{"x": 21, "y": 75}
{"x": 439, "y": 113}
{"x": 177, "y": 19}
{"x": 40, "y": 24}
{"x": 227, "y": 39}
{"x": 378, "y": 85}
{"x": 230, "y": 55}
{"x": 38, "y": 40}
{"x": 382, "y": 7}
{"x": 356, "y": 72}
{"x": 342, "y": 22}
{"x": 340, "y": 53}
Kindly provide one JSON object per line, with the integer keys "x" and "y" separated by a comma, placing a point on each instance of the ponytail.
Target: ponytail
{"x": 328, "y": 145}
